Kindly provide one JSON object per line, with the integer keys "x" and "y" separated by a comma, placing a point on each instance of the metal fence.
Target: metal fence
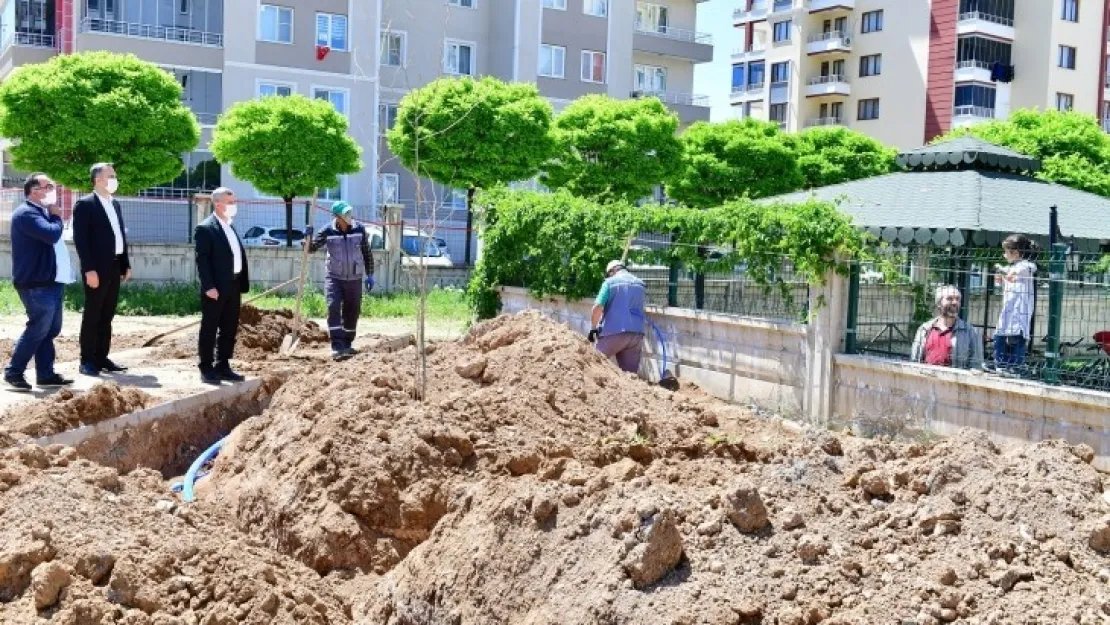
{"x": 1069, "y": 339}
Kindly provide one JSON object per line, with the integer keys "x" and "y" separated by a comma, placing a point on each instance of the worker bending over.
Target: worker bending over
{"x": 617, "y": 317}
{"x": 349, "y": 266}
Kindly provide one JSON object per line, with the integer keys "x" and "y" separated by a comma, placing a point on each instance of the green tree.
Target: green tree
{"x": 609, "y": 149}
{"x": 77, "y": 109}
{"x": 1073, "y": 149}
{"x": 286, "y": 146}
{"x": 832, "y": 155}
{"x": 473, "y": 134}
{"x": 734, "y": 159}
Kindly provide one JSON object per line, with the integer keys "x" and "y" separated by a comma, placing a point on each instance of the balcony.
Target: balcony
{"x": 690, "y": 107}
{"x": 674, "y": 42}
{"x": 151, "y": 31}
{"x": 779, "y": 7}
{"x": 834, "y": 42}
{"x": 1106, "y": 124}
{"x": 973, "y": 71}
{"x": 27, "y": 40}
{"x": 817, "y": 6}
{"x": 971, "y": 115}
{"x": 978, "y": 22}
{"x": 22, "y": 48}
{"x": 824, "y": 121}
{"x": 756, "y": 13}
{"x": 832, "y": 85}
{"x": 748, "y": 93}
{"x": 739, "y": 55}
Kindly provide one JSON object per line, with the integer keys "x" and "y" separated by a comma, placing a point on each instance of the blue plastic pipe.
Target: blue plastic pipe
{"x": 662, "y": 346}
{"x": 191, "y": 474}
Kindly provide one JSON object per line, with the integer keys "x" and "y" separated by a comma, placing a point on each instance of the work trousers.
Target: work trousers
{"x": 344, "y": 305}
{"x": 625, "y": 347}
{"x": 219, "y": 325}
{"x": 100, "y": 310}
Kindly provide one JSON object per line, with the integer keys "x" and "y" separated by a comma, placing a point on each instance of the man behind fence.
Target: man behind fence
{"x": 947, "y": 340}
{"x": 617, "y": 317}
{"x": 349, "y": 265}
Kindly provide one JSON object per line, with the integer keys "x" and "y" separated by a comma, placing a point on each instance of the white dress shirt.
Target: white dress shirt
{"x": 110, "y": 211}
{"x": 232, "y": 241}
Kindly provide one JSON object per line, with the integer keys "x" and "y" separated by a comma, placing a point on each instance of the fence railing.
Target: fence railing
{"x": 829, "y": 36}
{"x": 670, "y": 32}
{"x": 986, "y": 17}
{"x": 973, "y": 111}
{"x": 1068, "y": 337}
{"x": 152, "y": 31}
{"x": 671, "y": 97}
{"x": 974, "y": 64}
{"x": 32, "y": 40}
{"x": 824, "y": 121}
{"x": 827, "y": 80}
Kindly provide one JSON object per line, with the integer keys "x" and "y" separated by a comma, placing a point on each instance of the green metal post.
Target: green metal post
{"x": 1056, "y": 269}
{"x": 850, "y": 337}
{"x": 672, "y": 280}
{"x": 963, "y": 282}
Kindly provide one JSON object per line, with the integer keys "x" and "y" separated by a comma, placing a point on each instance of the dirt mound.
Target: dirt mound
{"x": 536, "y": 483}
{"x": 260, "y": 335}
{"x": 80, "y": 544}
{"x": 67, "y": 410}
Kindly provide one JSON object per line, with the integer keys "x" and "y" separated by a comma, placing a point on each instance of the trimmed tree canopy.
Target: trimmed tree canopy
{"x": 79, "y": 109}
{"x": 721, "y": 162}
{"x": 286, "y": 146}
{"x": 610, "y": 149}
{"x": 832, "y": 155}
{"x": 471, "y": 133}
{"x": 1073, "y": 148}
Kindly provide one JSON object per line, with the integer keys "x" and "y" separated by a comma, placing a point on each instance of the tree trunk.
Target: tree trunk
{"x": 288, "y": 221}
{"x": 469, "y": 223}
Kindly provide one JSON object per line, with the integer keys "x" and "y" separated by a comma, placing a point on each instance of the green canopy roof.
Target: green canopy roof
{"x": 967, "y": 153}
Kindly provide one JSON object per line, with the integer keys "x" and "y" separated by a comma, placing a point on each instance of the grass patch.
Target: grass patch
{"x": 184, "y": 299}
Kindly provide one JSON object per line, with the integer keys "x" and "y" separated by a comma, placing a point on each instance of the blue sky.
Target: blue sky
{"x": 712, "y": 79}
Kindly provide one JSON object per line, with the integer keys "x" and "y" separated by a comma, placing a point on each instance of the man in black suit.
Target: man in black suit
{"x": 222, "y": 268}
{"x": 101, "y": 242}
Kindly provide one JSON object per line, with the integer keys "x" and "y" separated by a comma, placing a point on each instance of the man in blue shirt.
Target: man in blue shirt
{"x": 36, "y": 231}
{"x": 618, "y": 317}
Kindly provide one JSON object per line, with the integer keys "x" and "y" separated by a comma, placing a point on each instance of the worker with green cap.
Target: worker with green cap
{"x": 350, "y": 265}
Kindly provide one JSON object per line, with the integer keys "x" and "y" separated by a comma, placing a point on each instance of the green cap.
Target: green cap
{"x": 340, "y": 209}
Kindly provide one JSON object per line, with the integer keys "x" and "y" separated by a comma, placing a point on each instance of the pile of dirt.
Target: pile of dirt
{"x": 68, "y": 348}
{"x": 66, "y": 410}
{"x": 536, "y": 483}
{"x": 260, "y": 335}
{"x": 80, "y": 544}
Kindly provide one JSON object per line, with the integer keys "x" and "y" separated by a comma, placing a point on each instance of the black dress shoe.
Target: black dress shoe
{"x": 53, "y": 381}
{"x": 89, "y": 369}
{"x": 229, "y": 376}
{"x": 110, "y": 367}
{"x": 209, "y": 376}
{"x": 17, "y": 383}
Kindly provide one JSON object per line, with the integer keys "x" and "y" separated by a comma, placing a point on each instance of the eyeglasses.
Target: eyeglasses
{"x": 49, "y": 187}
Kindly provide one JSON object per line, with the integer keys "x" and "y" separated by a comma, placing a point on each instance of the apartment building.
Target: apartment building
{"x": 363, "y": 56}
{"x": 906, "y": 72}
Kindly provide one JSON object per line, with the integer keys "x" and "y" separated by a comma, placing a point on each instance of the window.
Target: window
{"x": 272, "y": 88}
{"x": 183, "y": 7}
{"x": 598, "y": 8}
{"x": 593, "y": 66}
{"x": 331, "y": 31}
{"x": 275, "y": 24}
{"x": 975, "y": 99}
{"x": 780, "y": 72}
{"x": 651, "y": 17}
{"x": 1070, "y": 12}
{"x": 757, "y": 73}
{"x": 458, "y": 58}
{"x": 561, "y": 5}
{"x": 553, "y": 60}
{"x": 871, "y": 65}
{"x": 1065, "y": 101}
{"x": 1067, "y": 57}
{"x": 782, "y": 32}
{"x": 738, "y": 77}
{"x": 468, "y": 4}
{"x": 334, "y": 194}
{"x": 387, "y": 116}
{"x": 394, "y": 49}
{"x": 388, "y": 187}
{"x": 982, "y": 52}
{"x": 777, "y": 113}
{"x": 337, "y": 97}
{"x": 868, "y": 109}
{"x": 649, "y": 78}
{"x": 872, "y": 22}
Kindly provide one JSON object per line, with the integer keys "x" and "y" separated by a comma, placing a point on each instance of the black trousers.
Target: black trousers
{"x": 100, "y": 310}
{"x": 219, "y": 324}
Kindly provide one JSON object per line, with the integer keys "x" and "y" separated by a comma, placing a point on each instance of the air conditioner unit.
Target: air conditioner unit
{"x": 847, "y": 40}
{"x": 637, "y": 94}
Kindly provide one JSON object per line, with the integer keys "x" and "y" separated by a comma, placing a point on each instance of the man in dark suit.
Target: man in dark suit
{"x": 101, "y": 241}
{"x": 222, "y": 268}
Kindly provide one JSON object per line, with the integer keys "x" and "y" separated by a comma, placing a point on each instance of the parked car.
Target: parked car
{"x": 414, "y": 244}
{"x": 265, "y": 236}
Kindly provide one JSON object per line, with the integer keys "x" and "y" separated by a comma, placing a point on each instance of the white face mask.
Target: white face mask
{"x": 230, "y": 211}
{"x": 112, "y": 185}
{"x": 50, "y": 199}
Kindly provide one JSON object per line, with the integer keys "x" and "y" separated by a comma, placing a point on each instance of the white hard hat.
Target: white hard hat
{"x": 613, "y": 264}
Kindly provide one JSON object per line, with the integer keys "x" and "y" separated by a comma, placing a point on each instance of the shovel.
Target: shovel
{"x": 158, "y": 337}
{"x": 289, "y": 341}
